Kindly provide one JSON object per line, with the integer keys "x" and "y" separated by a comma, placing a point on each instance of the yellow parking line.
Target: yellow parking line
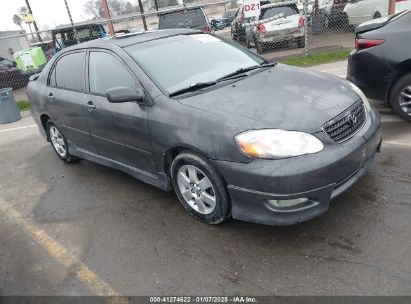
{"x": 61, "y": 255}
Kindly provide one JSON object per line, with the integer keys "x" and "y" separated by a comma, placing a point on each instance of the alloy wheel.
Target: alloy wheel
{"x": 405, "y": 100}
{"x": 196, "y": 189}
{"x": 58, "y": 141}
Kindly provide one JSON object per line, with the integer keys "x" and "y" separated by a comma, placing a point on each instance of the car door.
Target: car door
{"x": 119, "y": 130}
{"x": 364, "y": 10}
{"x": 65, "y": 95}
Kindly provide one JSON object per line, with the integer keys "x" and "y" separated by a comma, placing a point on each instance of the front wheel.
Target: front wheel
{"x": 200, "y": 188}
{"x": 400, "y": 97}
{"x": 59, "y": 143}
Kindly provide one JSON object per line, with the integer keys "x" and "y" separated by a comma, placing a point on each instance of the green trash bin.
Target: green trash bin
{"x": 31, "y": 59}
{"x": 8, "y": 107}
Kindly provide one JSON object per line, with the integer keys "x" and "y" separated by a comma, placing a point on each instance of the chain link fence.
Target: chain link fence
{"x": 283, "y": 29}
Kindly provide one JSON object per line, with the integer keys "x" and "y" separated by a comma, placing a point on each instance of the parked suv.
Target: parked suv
{"x": 192, "y": 18}
{"x": 237, "y": 29}
{"x": 288, "y": 28}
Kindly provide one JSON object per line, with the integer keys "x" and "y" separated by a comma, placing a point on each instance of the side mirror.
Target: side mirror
{"x": 124, "y": 94}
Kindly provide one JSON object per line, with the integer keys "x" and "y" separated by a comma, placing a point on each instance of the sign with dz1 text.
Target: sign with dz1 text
{"x": 251, "y": 8}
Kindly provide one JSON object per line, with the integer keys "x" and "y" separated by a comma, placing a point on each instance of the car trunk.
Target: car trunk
{"x": 371, "y": 25}
{"x": 282, "y": 25}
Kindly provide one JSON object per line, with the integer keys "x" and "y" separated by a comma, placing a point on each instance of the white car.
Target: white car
{"x": 277, "y": 22}
{"x": 359, "y": 11}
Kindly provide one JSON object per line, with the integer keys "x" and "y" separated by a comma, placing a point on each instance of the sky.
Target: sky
{"x": 46, "y": 12}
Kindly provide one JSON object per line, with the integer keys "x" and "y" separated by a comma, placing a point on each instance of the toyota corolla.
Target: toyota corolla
{"x": 233, "y": 134}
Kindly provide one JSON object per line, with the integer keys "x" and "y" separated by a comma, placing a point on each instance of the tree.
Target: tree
{"x": 23, "y": 11}
{"x": 117, "y": 7}
{"x": 93, "y": 8}
{"x": 18, "y": 21}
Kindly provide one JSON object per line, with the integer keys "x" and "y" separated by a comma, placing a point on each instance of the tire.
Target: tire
{"x": 54, "y": 135}
{"x": 259, "y": 46}
{"x": 326, "y": 22}
{"x": 300, "y": 42}
{"x": 398, "y": 100}
{"x": 193, "y": 189}
{"x": 376, "y": 15}
{"x": 233, "y": 35}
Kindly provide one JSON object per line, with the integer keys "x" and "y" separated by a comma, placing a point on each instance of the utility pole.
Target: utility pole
{"x": 391, "y": 7}
{"x": 156, "y": 5}
{"x": 34, "y": 22}
{"x": 71, "y": 22}
{"x": 140, "y": 4}
{"x": 107, "y": 15}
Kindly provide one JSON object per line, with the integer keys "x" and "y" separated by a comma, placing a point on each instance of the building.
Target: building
{"x": 11, "y": 42}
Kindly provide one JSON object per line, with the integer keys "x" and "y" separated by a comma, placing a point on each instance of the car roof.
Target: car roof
{"x": 133, "y": 38}
{"x": 181, "y": 9}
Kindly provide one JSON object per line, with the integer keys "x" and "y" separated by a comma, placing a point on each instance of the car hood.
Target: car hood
{"x": 281, "y": 97}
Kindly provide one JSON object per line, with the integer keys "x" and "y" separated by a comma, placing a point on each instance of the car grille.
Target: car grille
{"x": 346, "y": 124}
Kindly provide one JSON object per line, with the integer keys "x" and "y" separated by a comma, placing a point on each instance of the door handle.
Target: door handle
{"x": 51, "y": 97}
{"x": 90, "y": 106}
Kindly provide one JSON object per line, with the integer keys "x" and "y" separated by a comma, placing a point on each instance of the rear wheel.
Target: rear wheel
{"x": 59, "y": 143}
{"x": 300, "y": 42}
{"x": 200, "y": 188}
{"x": 326, "y": 22}
{"x": 400, "y": 97}
{"x": 259, "y": 46}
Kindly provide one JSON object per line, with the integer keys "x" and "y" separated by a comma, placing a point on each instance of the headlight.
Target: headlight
{"x": 275, "y": 143}
{"x": 358, "y": 91}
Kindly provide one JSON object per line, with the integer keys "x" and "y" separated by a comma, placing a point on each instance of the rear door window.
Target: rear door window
{"x": 69, "y": 72}
{"x": 194, "y": 19}
{"x": 107, "y": 71}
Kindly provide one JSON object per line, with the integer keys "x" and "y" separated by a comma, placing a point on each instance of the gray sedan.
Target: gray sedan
{"x": 233, "y": 134}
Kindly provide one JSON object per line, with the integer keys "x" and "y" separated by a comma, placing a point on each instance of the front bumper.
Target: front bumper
{"x": 319, "y": 177}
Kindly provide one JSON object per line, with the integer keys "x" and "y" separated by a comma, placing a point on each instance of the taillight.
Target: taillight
{"x": 261, "y": 28}
{"x": 361, "y": 44}
{"x": 241, "y": 18}
{"x": 206, "y": 29}
{"x": 301, "y": 22}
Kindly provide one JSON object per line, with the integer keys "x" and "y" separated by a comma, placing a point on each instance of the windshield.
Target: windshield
{"x": 180, "y": 61}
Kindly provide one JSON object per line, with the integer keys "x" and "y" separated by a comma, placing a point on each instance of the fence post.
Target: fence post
{"x": 305, "y": 28}
{"x": 140, "y": 4}
{"x": 391, "y": 7}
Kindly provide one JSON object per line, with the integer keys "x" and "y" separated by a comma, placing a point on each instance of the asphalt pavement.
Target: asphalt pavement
{"x": 84, "y": 229}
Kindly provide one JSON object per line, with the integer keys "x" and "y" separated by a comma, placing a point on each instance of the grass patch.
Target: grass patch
{"x": 23, "y": 105}
{"x": 317, "y": 58}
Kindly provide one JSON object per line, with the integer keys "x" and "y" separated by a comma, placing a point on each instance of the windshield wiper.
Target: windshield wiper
{"x": 193, "y": 87}
{"x": 244, "y": 70}
{"x": 236, "y": 74}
